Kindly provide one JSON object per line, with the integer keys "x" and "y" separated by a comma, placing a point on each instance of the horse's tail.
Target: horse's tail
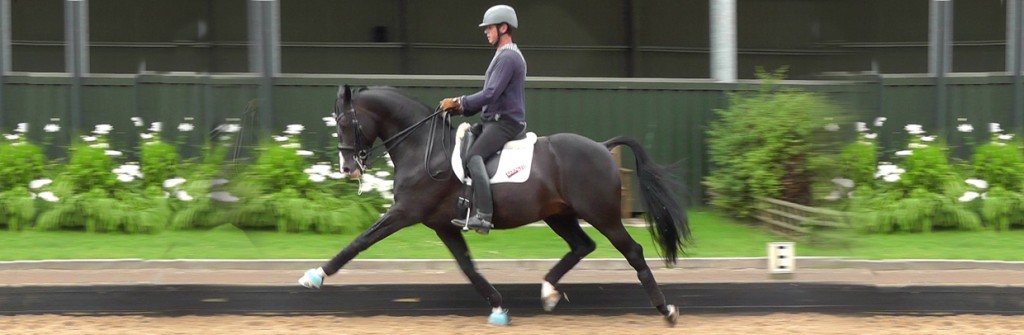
{"x": 666, "y": 214}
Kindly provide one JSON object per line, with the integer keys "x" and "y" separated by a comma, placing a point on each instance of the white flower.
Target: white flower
{"x": 968, "y": 196}
{"x": 336, "y": 175}
{"x": 832, "y": 127}
{"x": 294, "y": 129}
{"x": 280, "y": 138}
{"x": 100, "y": 145}
{"x": 102, "y": 129}
{"x": 977, "y": 183}
{"x": 291, "y": 145}
{"x": 51, "y": 128}
{"x": 146, "y": 136}
{"x": 218, "y": 182}
{"x": 892, "y": 178}
{"x": 329, "y": 120}
{"x": 334, "y": 134}
{"x": 223, "y": 196}
{"x": 916, "y": 146}
{"x": 128, "y": 170}
{"x": 965, "y": 128}
{"x": 914, "y": 129}
{"x": 138, "y": 121}
{"x": 321, "y": 169}
{"x": 994, "y": 128}
{"x": 173, "y": 182}
{"x": 89, "y": 138}
{"x": 304, "y": 153}
{"x": 39, "y": 183}
{"x": 887, "y": 169}
{"x": 125, "y": 178}
{"x": 843, "y": 182}
{"x": 1006, "y": 137}
{"x": 870, "y": 136}
{"x": 928, "y": 138}
{"x": 112, "y": 153}
{"x": 879, "y": 121}
{"x": 186, "y": 127}
{"x": 183, "y": 196}
{"x": 317, "y": 178}
{"x": 156, "y": 127}
{"x": 861, "y": 127}
{"x": 48, "y": 196}
{"x": 22, "y": 128}
{"x": 229, "y": 128}
{"x": 904, "y": 153}
{"x": 835, "y": 195}
{"x": 10, "y": 137}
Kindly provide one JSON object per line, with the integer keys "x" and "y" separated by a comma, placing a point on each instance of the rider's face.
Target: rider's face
{"x": 491, "y": 32}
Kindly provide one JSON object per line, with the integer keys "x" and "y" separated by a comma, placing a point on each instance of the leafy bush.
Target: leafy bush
{"x": 159, "y": 162}
{"x": 1000, "y": 164}
{"x": 764, "y": 144}
{"x": 22, "y": 163}
{"x": 858, "y": 162}
{"x": 926, "y": 194}
{"x": 17, "y": 208}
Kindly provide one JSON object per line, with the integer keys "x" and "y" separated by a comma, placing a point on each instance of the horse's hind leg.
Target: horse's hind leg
{"x": 452, "y": 238}
{"x": 580, "y": 245}
{"x": 634, "y": 253}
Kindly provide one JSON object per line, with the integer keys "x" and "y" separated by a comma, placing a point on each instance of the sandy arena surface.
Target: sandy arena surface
{"x": 779, "y": 323}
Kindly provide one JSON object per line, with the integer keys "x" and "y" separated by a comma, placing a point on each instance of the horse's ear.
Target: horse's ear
{"x": 345, "y": 93}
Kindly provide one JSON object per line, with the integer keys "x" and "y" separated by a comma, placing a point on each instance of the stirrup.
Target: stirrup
{"x": 475, "y": 222}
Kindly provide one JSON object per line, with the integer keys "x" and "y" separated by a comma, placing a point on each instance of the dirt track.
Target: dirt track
{"x": 807, "y": 323}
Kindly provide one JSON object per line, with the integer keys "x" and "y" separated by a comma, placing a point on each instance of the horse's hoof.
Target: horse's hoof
{"x": 551, "y": 300}
{"x": 673, "y": 315}
{"x": 499, "y": 318}
{"x": 312, "y": 279}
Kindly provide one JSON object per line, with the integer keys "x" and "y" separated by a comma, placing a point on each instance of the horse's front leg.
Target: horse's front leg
{"x": 456, "y": 244}
{"x": 392, "y": 221}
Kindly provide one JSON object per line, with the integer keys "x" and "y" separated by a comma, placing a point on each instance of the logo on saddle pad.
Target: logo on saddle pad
{"x": 514, "y": 159}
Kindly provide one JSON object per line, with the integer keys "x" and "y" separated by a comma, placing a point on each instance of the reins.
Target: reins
{"x": 363, "y": 155}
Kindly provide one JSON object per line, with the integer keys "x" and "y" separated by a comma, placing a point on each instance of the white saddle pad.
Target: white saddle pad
{"x": 514, "y": 164}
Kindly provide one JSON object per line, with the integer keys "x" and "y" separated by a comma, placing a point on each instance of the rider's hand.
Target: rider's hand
{"x": 451, "y": 105}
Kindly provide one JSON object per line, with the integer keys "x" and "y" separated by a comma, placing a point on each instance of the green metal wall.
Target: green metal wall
{"x": 669, "y": 116}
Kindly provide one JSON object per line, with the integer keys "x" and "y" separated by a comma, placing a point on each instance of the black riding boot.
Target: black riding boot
{"x": 481, "y": 221}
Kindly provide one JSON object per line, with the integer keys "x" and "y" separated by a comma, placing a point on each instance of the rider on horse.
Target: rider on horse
{"x": 502, "y": 107}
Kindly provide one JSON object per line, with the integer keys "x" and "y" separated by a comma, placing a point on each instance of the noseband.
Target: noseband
{"x": 362, "y": 147}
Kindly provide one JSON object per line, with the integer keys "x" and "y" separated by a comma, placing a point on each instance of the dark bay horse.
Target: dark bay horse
{"x": 571, "y": 178}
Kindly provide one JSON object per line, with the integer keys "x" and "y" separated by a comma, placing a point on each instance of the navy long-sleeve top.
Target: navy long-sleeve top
{"x": 504, "y": 89}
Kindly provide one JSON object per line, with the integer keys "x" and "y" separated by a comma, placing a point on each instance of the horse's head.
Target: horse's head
{"x": 356, "y": 133}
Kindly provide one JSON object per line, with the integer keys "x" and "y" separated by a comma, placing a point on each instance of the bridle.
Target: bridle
{"x": 363, "y": 149}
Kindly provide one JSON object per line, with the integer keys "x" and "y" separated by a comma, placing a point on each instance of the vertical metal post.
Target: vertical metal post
{"x": 264, "y": 53}
{"x": 76, "y": 54}
{"x": 403, "y": 33}
{"x": 940, "y": 48}
{"x": 1014, "y": 50}
{"x": 632, "y": 54}
{"x": 723, "y": 40}
{"x": 5, "y": 53}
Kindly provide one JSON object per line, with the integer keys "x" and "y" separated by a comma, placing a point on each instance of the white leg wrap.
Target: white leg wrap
{"x": 549, "y": 297}
{"x": 547, "y": 289}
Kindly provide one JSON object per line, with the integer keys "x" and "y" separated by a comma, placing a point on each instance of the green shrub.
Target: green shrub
{"x": 764, "y": 145}
{"x": 17, "y": 208}
{"x": 1000, "y": 164}
{"x": 159, "y": 162}
{"x": 23, "y": 162}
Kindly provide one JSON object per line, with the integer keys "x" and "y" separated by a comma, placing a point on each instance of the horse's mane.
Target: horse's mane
{"x": 395, "y": 99}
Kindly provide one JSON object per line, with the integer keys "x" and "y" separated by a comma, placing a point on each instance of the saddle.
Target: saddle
{"x": 511, "y": 164}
